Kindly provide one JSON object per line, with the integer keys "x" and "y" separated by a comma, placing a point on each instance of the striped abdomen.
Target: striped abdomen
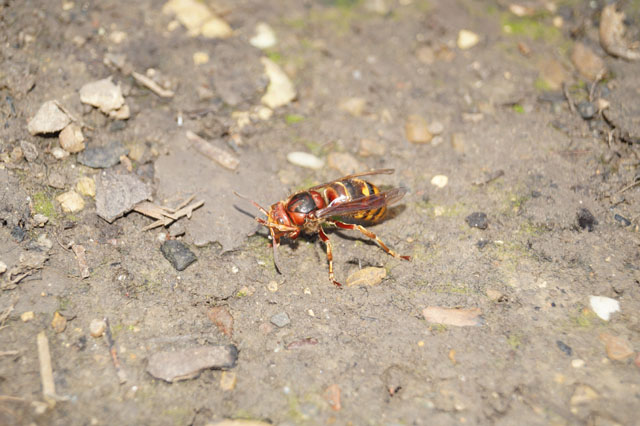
{"x": 352, "y": 189}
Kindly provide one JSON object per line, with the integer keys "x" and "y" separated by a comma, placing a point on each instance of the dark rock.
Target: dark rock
{"x": 178, "y": 254}
{"x": 117, "y": 194}
{"x": 172, "y": 366}
{"x": 477, "y": 220}
{"x": 482, "y": 243}
{"x": 586, "y": 220}
{"x": 564, "y": 347}
{"x": 102, "y": 157}
{"x": 18, "y": 233}
{"x": 587, "y": 110}
{"x": 623, "y": 220}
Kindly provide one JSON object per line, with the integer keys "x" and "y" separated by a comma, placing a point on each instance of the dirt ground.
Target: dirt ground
{"x": 512, "y": 134}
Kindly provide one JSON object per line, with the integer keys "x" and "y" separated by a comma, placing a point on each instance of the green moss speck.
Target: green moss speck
{"x": 43, "y": 204}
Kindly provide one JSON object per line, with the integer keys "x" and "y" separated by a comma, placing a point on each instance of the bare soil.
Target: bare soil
{"x": 510, "y": 147}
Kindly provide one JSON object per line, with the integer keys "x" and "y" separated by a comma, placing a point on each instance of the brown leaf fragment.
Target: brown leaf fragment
{"x": 617, "y": 348}
{"x": 220, "y": 156}
{"x": 222, "y": 318}
{"x": 332, "y": 396}
{"x": 453, "y": 316}
{"x": 612, "y": 34}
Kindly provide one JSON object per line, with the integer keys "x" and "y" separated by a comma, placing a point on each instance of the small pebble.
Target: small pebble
{"x": 587, "y": 110}
{"x": 59, "y": 323}
{"x": 103, "y": 94}
{"x": 417, "y": 130}
{"x": 59, "y": 153}
{"x": 436, "y": 128}
{"x": 477, "y": 220}
{"x": 222, "y": 318}
{"x": 40, "y": 220}
{"x": 586, "y": 220}
{"x": 304, "y": 159}
{"x": 577, "y": 363}
{"x": 280, "y": 90}
{"x": 467, "y": 39}
{"x": 97, "y": 327}
{"x": 29, "y": 151}
{"x": 618, "y": 349}
{"x": 583, "y": 395}
{"x": 27, "y": 316}
{"x": 49, "y": 119}
{"x": 280, "y": 319}
{"x": 200, "y": 58}
{"x": 366, "y": 276}
{"x": 564, "y": 347}
{"x": 265, "y": 37}
{"x": 604, "y": 306}
{"x": 623, "y": 220}
{"x": 72, "y": 139}
{"x": 86, "y": 186}
{"x": 70, "y": 202}
{"x": 102, "y": 157}
{"x": 272, "y": 286}
{"x": 178, "y": 254}
{"x": 440, "y": 181}
{"x": 354, "y": 106}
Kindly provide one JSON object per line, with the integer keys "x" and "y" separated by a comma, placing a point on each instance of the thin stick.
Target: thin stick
{"x": 594, "y": 84}
{"x": 631, "y": 185}
{"x": 46, "y": 371}
{"x": 152, "y": 85}
{"x": 220, "y": 156}
{"x": 122, "y": 376}
{"x": 565, "y": 91}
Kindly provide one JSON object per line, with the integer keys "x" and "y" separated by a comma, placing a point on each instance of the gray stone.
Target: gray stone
{"x": 102, "y": 157}
{"x": 117, "y": 194}
{"x": 49, "y": 119}
{"x": 172, "y": 366}
{"x": 178, "y": 254}
{"x": 281, "y": 319}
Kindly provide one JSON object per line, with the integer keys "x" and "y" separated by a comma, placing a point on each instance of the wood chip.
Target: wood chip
{"x": 204, "y": 147}
{"x": 165, "y": 216}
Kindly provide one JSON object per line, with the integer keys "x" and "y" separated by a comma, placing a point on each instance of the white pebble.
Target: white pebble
{"x": 604, "y": 306}
{"x": 304, "y": 159}
{"x": 467, "y": 39}
{"x": 440, "y": 181}
{"x": 3, "y": 267}
{"x": 264, "y": 38}
{"x": 577, "y": 363}
{"x": 97, "y": 327}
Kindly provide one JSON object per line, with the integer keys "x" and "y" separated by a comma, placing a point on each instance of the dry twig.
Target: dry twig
{"x": 165, "y": 216}
{"x": 204, "y": 147}
{"x": 152, "y": 85}
{"x": 122, "y": 376}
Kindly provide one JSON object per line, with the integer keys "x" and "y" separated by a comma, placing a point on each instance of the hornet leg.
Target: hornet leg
{"x": 371, "y": 235}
